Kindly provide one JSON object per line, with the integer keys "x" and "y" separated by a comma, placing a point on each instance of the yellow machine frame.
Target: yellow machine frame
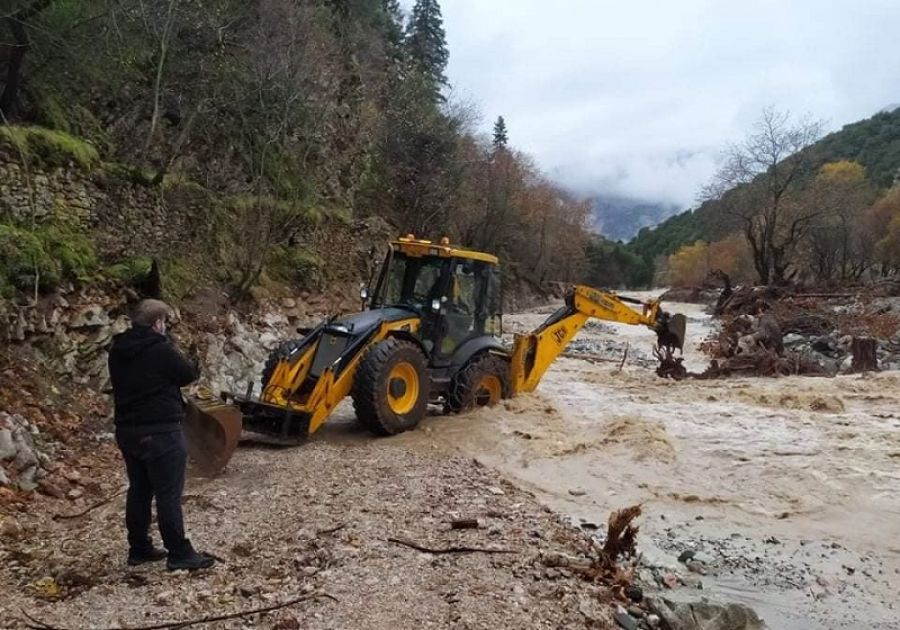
{"x": 330, "y": 389}
{"x": 418, "y": 248}
{"x": 533, "y": 353}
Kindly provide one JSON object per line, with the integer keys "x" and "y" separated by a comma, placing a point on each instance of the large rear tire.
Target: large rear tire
{"x": 390, "y": 390}
{"x": 482, "y": 382}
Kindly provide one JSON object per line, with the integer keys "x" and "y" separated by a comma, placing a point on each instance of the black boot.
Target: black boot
{"x": 190, "y": 562}
{"x": 146, "y": 555}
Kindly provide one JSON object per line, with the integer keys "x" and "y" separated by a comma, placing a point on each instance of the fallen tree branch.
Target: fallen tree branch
{"x": 120, "y": 492}
{"x": 454, "y": 549}
{"x": 591, "y": 357}
{"x": 37, "y": 624}
{"x": 331, "y": 530}
{"x": 624, "y": 357}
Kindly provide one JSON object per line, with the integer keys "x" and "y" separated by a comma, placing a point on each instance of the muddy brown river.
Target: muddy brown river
{"x": 789, "y": 487}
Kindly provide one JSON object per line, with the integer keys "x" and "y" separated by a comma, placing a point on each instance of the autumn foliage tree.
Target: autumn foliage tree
{"x": 836, "y": 247}
{"x": 882, "y": 225}
{"x": 692, "y": 265}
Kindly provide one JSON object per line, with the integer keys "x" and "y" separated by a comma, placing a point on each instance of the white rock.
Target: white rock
{"x": 25, "y": 457}
{"x": 273, "y": 320}
{"x": 93, "y": 316}
{"x": 7, "y": 447}
{"x": 846, "y": 364}
{"x": 269, "y": 340}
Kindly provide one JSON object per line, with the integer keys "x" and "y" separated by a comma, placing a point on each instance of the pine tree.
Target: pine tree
{"x": 427, "y": 42}
{"x": 394, "y": 19}
{"x": 501, "y": 137}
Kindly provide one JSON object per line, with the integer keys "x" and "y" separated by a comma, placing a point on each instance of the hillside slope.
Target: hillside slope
{"x": 874, "y": 143}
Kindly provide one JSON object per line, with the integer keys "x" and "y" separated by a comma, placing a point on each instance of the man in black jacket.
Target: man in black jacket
{"x": 147, "y": 373}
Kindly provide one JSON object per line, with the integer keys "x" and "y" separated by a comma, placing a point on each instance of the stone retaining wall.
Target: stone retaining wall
{"x": 125, "y": 215}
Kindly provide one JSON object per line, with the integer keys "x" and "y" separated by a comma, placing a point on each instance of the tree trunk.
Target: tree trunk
{"x": 18, "y": 48}
{"x": 16, "y": 25}
{"x": 865, "y": 358}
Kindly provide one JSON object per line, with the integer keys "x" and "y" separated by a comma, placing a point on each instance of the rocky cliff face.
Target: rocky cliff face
{"x": 59, "y": 347}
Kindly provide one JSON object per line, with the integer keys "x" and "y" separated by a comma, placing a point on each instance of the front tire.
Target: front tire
{"x": 482, "y": 382}
{"x": 390, "y": 390}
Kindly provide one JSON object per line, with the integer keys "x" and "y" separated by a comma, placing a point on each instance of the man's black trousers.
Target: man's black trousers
{"x": 156, "y": 467}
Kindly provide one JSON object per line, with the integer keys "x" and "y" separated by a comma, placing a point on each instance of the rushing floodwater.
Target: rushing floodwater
{"x": 792, "y": 484}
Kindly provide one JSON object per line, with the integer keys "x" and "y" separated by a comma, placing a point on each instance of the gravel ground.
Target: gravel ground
{"x": 310, "y": 519}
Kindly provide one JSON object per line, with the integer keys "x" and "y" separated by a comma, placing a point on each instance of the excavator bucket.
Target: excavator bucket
{"x": 212, "y": 430}
{"x": 670, "y": 331}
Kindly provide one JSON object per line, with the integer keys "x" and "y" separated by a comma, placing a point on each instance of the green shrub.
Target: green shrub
{"x": 50, "y": 254}
{"x": 24, "y": 260}
{"x": 179, "y": 278}
{"x": 296, "y": 265}
{"x": 128, "y": 271}
{"x": 53, "y": 148}
{"x": 72, "y": 250}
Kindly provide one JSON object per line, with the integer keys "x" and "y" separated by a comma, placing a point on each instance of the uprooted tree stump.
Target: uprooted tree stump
{"x": 602, "y": 563}
{"x": 865, "y": 358}
{"x": 621, "y": 534}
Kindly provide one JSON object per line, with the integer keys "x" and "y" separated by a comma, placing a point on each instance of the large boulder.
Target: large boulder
{"x": 704, "y": 615}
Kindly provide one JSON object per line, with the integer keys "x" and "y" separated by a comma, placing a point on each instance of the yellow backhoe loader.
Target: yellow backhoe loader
{"x": 429, "y": 332}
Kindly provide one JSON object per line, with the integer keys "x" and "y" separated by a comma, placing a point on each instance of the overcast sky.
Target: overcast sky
{"x": 637, "y": 97}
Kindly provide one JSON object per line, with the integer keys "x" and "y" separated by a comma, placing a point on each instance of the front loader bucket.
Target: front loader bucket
{"x": 212, "y": 430}
{"x": 671, "y": 330}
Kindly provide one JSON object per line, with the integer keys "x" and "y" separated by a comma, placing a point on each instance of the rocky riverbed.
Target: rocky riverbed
{"x": 785, "y": 488}
{"x": 331, "y": 520}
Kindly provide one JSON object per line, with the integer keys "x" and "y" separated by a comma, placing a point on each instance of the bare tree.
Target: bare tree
{"x": 758, "y": 184}
{"x": 285, "y": 107}
{"x": 160, "y": 65}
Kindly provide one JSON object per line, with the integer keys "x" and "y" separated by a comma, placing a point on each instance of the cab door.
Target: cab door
{"x": 471, "y": 306}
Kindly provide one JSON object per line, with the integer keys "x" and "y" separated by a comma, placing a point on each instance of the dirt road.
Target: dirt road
{"x": 325, "y": 520}
{"x": 788, "y": 488}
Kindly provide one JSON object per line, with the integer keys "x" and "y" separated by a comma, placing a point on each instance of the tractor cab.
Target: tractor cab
{"x": 455, "y": 292}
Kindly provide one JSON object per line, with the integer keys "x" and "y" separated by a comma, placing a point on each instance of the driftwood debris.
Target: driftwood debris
{"x": 92, "y": 507}
{"x": 451, "y": 549}
{"x": 621, "y": 534}
{"x": 37, "y": 624}
{"x": 602, "y": 562}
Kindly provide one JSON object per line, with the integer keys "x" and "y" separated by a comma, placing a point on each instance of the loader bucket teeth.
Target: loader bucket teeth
{"x": 212, "y": 431}
{"x": 671, "y": 330}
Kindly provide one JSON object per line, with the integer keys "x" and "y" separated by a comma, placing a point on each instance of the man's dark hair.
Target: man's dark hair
{"x": 147, "y": 312}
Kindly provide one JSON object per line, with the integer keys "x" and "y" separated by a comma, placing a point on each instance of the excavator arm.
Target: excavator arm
{"x": 533, "y": 353}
